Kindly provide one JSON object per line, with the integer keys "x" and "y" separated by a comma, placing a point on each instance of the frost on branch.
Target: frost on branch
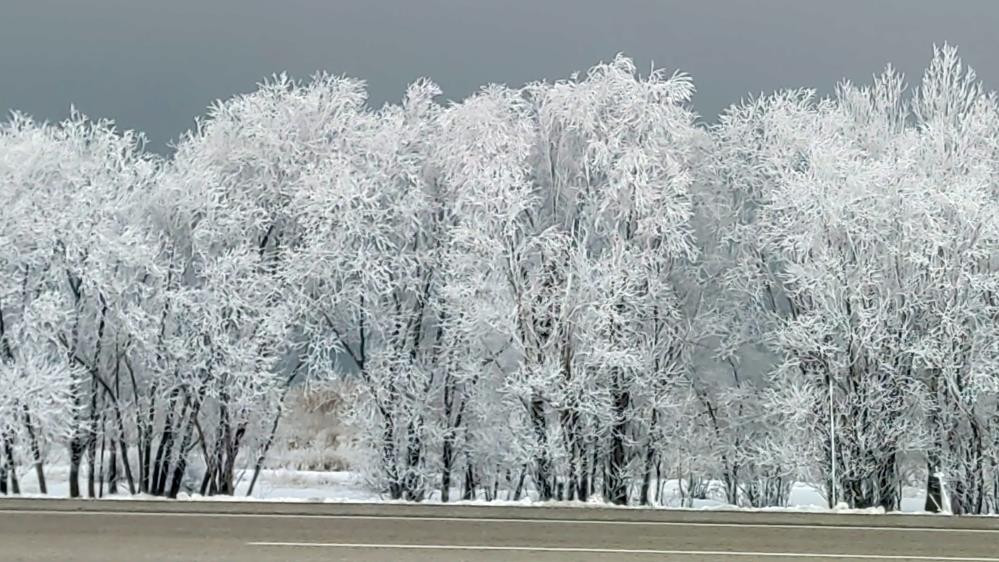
{"x": 572, "y": 290}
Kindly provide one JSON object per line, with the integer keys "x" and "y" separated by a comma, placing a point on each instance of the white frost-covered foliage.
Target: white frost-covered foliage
{"x": 866, "y": 231}
{"x": 69, "y": 282}
{"x": 569, "y": 290}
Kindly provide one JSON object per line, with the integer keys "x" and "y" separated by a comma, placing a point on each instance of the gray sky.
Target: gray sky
{"x": 155, "y": 64}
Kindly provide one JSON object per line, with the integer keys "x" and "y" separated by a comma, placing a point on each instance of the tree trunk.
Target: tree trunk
{"x": 5, "y": 467}
{"x": 232, "y": 454}
{"x": 569, "y": 417}
{"x": 469, "y": 492}
{"x": 414, "y": 451}
{"x": 520, "y": 485}
{"x": 144, "y": 427}
{"x": 650, "y": 454}
{"x": 259, "y": 464}
{"x": 92, "y": 465}
{"x": 181, "y": 467}
{"x": 660, "y": 485}
{"x": 388, "y": 455}
{"x": 15, "y": 486}
{"x": 594, "y": 468}
{"x": 101, "y": 463}
{"x": 112, "y": 468}
{"x": 122, "y": 444}
{"x": 585, "y": 485}
{"x": 36, "y": 453}
{"x": 887, "y": 482}
{"x": 164, "y": 450}
{"x": 76, "y": 449}
{"x": 224, "y": 480}
{"x": 142, "y": 456}
{"x": 542, "y": 462}
{"x": 646, "y": 496}
{"x": 126, "y": 465}
{"x": 447, "y": 462}
{"x": 617, "y": 479}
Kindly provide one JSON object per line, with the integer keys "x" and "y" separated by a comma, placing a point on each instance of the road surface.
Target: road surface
{"x": 103, "y": 531}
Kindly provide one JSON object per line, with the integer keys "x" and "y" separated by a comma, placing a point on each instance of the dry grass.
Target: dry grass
{"x": 312, "y": 434}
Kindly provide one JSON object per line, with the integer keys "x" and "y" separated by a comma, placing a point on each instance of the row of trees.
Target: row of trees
{"x": 567, "y": 290}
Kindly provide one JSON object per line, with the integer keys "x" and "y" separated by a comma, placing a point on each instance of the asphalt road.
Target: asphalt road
{"x": 103, "y": 531}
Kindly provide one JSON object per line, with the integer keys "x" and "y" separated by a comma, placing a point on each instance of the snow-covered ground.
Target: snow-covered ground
{"x": 273, "y": 485}
{"x": 347, "y": 487}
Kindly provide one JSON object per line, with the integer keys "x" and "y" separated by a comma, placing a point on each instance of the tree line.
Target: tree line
{"x": 567, "y": 290}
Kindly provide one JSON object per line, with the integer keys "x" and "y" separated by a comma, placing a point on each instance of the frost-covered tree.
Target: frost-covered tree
{"x": 846, "y": 213}
{"x": 228, "y": 211}
{"x": 74, "y": 261}
{"x": 480, "y": 165}
{"x": 956, "y": 259}
{"x": 564, "y": 290}
{"x": 369, "y": 269}
{"x": 814, "y": 263}
{"x": 602, "y": 322}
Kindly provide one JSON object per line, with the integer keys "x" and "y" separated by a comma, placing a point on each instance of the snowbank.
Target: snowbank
{"x": 284, "y": 485}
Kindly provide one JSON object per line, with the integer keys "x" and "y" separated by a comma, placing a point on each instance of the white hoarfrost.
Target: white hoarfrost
{"x": 572, "y": 291}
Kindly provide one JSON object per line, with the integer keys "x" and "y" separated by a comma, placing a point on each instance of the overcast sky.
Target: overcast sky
{"x": 155, "y": 64}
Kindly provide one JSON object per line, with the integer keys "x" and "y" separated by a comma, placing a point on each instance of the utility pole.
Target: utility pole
{"x": 832, "y": 444}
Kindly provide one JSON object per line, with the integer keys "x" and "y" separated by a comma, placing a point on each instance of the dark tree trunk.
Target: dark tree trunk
{"x": 122, "y": 447}
{"x": 447, "y": 449}
{"x": 6, "y": 466}
{"x": 595, "y": 468}
{"x": 181, "y": 467}
{"x": 542, "y": 462}
{"x": 585, "y": 485}
{"x": 215, "y": 460}
{"x": 645, "y": 496}
{"x": 887, "y": 485}
{"x": 112, "y": 470}
{"x": 660, "y": 485}
{"x": 232, "y": 454}
{"x": 8, "y": 450}
{"x": 76, "y": 450}
{"x": 934, "y": 492}
{"x": 520, "y": 485}
{"x": 223, "y": 480}
{"x": 388, "y": 454}
{"x": 161, "y": 471}
{"x": 165, "y": 448}
{"x": 650, "y": 455}
{"x": 447, "y": 461}
{"x": 101, "y": 463}
{"x": 259, "y": 464}
{"x": 470, "y": 485}
{"x": 414, "y": 450}
{"x": 129, "y": 478}
{"x": 92, "y": 465}
{"x": 569, "y": 417}
{"x": 142, "y": 459}
{"x": 36, "y": 452}
{"x": 976, "y": 502}
{"x": 617, "y": 480}
{"x": 206, "y": 480}
{"x": 145, "y": 430}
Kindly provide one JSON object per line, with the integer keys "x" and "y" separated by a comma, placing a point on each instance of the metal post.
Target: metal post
{"x": 832, "y": 443}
